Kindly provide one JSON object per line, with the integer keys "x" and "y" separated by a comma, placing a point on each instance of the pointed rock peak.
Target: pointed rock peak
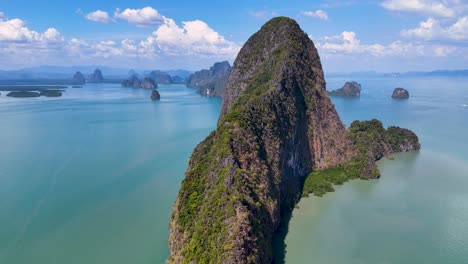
{"x": 279, "y": 51}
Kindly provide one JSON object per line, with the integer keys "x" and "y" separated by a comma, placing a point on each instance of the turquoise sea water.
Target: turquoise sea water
{"x": 91, "y": 177}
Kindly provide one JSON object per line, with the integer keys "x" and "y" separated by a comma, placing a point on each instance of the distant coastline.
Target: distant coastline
{"x": 435, "y": 73}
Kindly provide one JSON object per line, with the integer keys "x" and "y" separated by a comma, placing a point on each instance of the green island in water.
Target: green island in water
{"x": 278, "y": 138}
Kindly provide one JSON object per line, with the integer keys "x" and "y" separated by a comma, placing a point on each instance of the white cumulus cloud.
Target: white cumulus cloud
{"x": 317, "y": 14}
{"x": 433, "y": 29}
{"x": 99, "y": 16}
{"x": 15, "y": 30}
{"x": 429, "y": 7}
{"x": 193, "y": 44}
{"x": 2, "y": 16}
{"x": 147, "y": 16}
{"x": 194, "y": 37}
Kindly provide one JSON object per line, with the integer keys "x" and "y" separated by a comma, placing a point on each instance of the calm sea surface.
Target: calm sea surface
{"x": 91, "y": 177}
{"x": 418, "y": 211}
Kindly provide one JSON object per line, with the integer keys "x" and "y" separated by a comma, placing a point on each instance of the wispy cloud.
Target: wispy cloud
{"x": 263, "y": 14}
{"x": 338, "y": 3}
{"x": 320, "y": 14}
{"x": 347, "y": 43}
{"x": 99, "y": 16}
{"x": 429, "y": 7}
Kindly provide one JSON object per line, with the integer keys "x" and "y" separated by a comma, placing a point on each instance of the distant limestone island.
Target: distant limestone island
{"x": 353, "y": 89}
{"x": 400, "y": 93}
{"x": 149, "y": 82}
{"x": 152, "y": 79}
{"x": 23, "y": 91}
{"x": 211, "y": 82}
{"x": 349, "y": 89}
{"x": 135, "y": 82}
{"x": 155, "y": 96}
{"x": 80, "y": 79}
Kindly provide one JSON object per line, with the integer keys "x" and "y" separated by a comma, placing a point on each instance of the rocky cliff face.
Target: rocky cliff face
{"x": 211, "y": 82}
{"x": 277, "y": 123}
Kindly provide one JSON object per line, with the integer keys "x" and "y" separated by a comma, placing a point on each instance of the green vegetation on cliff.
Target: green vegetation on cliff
{"x": 321, "y": 182}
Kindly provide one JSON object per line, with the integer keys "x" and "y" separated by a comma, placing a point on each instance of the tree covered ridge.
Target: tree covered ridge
{"x": 372, "y": 142}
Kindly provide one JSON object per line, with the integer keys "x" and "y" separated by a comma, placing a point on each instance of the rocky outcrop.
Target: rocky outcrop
{"x": 78, "y": 79}
{"x": 400, "y": 93}
{"x": 160, "y": 77}
{"x": 211, "y": 82}
{"x": 134, "y": 82}
{"x": 155, "y": 96}
{"x": 349, "y": 89}
{"x": 373, "y": 142}
{"x": 277, "y": 124}
{"x": 96, "y": 77}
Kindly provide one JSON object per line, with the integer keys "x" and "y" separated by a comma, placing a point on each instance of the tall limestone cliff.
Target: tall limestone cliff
{"x": 277, "y": 124}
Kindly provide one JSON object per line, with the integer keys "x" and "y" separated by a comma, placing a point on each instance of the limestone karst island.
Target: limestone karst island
{"x": 277, "y": 126}
{"x": 234, "y": 132}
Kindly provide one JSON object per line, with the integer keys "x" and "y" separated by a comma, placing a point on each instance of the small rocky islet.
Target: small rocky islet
{"x": 155, "y": 96}
{"x": 400, "y": 93}
{"x": 278, "y": 135}
{"x": 349, "y": 89}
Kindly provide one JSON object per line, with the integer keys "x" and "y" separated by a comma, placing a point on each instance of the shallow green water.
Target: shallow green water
{"x": 418, "y": 211}
{"x": 91, "y": 177}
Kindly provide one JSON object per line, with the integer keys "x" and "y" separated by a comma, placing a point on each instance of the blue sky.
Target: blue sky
{"x": 380, "y": 35}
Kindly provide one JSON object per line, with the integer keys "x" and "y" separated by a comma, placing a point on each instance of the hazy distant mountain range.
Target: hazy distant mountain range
{"x": 62, "y": 72}
{"x": 401, "y": 74}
